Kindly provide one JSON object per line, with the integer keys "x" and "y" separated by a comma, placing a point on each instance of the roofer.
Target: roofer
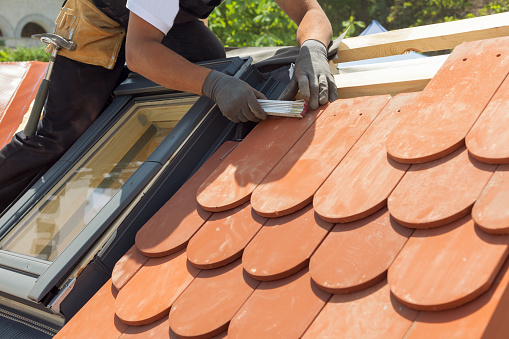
{"x": 164, "y": 39}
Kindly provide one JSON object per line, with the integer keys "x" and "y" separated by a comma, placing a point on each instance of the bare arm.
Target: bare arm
{"x": 146, "y": 55}
{"x": 312, "y": 75}
{"x": 309, "y": 16}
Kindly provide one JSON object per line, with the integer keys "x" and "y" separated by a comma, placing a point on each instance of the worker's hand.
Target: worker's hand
{"x": 312, "y": 76}
{"x": 235, "y": 98}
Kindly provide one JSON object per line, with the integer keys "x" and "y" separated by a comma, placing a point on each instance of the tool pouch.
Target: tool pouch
{"x": 98, "y": 37}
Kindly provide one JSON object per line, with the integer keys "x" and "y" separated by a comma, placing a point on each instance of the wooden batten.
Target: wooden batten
{"x": 408, "y": 75}
{"x": 388, "y": 77}
{"x": 428, "y": 38}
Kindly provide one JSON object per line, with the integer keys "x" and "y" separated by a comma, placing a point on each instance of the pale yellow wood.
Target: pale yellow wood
{"x": 165, "y": 117}
{"x": 25, "y": 117}
{"x": 333, "y": 67}
{"x": 387, "y": 78}
{"x": 435, "y": 37}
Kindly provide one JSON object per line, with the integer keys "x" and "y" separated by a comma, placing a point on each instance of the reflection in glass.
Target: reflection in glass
{"x": 64, "y": 212}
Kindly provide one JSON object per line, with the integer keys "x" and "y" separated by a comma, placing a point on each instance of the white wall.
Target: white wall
{"x": 15, "y": 14}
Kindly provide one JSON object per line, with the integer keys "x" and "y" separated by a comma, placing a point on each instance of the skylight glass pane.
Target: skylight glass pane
{"x": 65, "y": 211}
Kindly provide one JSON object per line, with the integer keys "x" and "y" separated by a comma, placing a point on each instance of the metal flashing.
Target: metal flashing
{"x": 136, "y": 84}
{"x": 54, "y": 305}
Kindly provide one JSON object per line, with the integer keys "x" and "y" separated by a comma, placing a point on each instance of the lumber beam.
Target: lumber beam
{"x": 387, "y": 78}
{"x": 434, "y": 37}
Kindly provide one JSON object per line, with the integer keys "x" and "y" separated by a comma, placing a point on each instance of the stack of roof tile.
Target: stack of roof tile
{"x": 367, "y": 218}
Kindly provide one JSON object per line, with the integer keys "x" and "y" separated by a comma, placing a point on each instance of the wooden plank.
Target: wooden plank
{"x": 424, "y": 38}
{"x": 388, "y": 78}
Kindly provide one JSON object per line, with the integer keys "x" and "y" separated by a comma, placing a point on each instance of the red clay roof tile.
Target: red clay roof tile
{"x": 212, "y": 299}
{"x": 232, "y": 183}
{"x": 488, "y": 139}
{"x": 96, "y": 318}
{"x": 162, "y": 235}
{"x": 491, "y": 210}
{"x": 485, "y": 317}
{"x": 127, "y": 267}
{"x": 274, "y": 307}
{"x": 149, "y": 295}
{"x": 370, "y": 313}
{"x": 20, "y": 81}
{"x": 223, "y": 237}
{"x": 435, "y": 269}
{"x": 361, "y": 183}
{"x": 159, "y": 329}
{"x": 450, "y": 104}
{"x": 438, "y": 192}
{"x": 357, "y": 255}
{"x": 284, "y": 245}
{"x": 312, "y": 159}
{"x": 448, "y": 266}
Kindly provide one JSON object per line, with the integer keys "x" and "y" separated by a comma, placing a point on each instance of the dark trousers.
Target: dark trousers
{"x": 78, "y": 93}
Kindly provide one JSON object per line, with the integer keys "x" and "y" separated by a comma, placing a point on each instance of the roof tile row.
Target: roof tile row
{"x": 273, "y": 264}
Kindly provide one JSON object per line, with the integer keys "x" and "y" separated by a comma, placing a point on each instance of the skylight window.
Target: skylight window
{"x": 99, "y": 175}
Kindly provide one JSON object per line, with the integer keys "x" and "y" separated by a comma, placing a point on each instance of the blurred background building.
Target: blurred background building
{"x": 19, "y": 19}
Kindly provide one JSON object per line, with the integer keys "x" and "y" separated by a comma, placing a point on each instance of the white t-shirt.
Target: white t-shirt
{"x": 159, "y": 13}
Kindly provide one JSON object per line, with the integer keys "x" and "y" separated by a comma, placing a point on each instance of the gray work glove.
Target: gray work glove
{"x": 235, "y": 98}
{"x": 312, "y": 76}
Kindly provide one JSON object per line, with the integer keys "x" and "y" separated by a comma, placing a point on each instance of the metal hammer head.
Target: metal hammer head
{"x": 55, "y": 40}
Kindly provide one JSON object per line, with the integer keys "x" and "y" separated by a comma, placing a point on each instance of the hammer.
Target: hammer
{"x": 57, "y": 42}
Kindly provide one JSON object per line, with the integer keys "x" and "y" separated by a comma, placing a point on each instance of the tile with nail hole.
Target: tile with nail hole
{"x": 231, "y": 184}
{"x": 448, "y": 107}
{"x": 361, "y": 183}
{"x": 295, "y": 179}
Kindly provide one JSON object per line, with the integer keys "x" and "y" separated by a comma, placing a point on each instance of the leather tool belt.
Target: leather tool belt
{"x": 98, "y": 37}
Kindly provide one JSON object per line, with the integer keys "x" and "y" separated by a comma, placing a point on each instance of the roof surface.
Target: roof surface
{"x": 18, "y": 88}
{"x": 371, "y": 217}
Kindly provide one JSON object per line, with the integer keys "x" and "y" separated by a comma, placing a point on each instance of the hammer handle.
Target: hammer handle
{"x": 35, "y": 115}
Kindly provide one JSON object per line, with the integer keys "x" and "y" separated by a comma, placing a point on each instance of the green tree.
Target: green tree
{"x": 495, "y": 7}
{"x": 252, "y": 23}
{"x": 344, "y": 12}
{"x": 24, "y": 54}
{"x": 416, "y": 13}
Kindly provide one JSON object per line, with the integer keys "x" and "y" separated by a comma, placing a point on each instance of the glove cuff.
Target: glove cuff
{"x": 313, "y": 44}
{"x": 211, "y": 83}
